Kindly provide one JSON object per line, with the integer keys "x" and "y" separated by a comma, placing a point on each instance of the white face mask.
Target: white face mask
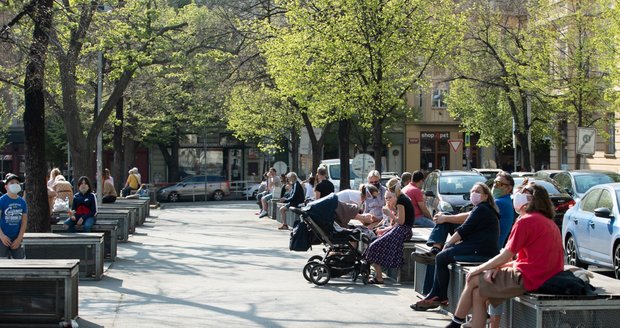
{"x": 519, "y": 200}
{"x": 14, "y": 188}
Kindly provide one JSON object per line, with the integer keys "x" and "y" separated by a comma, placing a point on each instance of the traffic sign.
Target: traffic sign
{"x": 455, "y": 144}
{"x": 280, "y": 167}
{"x": 362, "y": 164}
{"x": 586, "y": 140}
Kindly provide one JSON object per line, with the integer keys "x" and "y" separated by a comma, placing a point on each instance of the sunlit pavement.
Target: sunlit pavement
{"x": 216, "y": 264}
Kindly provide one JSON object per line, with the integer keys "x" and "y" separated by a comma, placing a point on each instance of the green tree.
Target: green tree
{"x": 339, "y": 58}
{"x": 500, "y": 74}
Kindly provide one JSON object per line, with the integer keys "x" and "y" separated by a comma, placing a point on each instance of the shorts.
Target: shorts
{"x": 508, "y": 283}
{"x": 7, "y": 252}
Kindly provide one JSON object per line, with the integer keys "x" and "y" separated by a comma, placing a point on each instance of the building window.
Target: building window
{"x": 434, "y": 150}
{"x": 611, "y": 130}
{"x": 439, "y": 95}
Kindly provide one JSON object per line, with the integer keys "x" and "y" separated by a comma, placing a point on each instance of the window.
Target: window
{"x": 605, "y": 200}
{"x": 439, "y": 95}
{"x": 589, "y": 202}
{"x": 611, "y": 130}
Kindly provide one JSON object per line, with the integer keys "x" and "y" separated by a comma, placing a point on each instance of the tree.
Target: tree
{"x": 34, "y": 117}
{"x": 503, "y": 39}
{"x": 340, "y": 58}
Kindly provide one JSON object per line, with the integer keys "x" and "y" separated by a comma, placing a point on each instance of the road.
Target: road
{"x": 216, "y": 264}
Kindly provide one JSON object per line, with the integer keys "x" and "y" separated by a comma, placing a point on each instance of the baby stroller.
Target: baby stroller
{"x": 341, "y": 257}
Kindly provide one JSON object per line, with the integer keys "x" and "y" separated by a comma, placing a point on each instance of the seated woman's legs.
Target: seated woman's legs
{"x": 70, "y": 224}
{"x": 283, "y": 210}
{"x": 440, "y": 233}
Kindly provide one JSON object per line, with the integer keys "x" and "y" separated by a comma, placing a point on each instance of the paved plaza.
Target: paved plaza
{"x": 218, "y": 265}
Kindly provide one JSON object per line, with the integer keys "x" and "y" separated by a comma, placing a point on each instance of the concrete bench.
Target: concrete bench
{"x": 140, "y": 213}
{"x": 541, "y": 310}
{"x": 272, "y": 210}
{"x": 290, "y": 218}
{"x": 142, "y": 202}
{"x": 111, "y": 213}
{"x": 419, "y": 269}
{"x": 109, "y": 229}
{"x": 86, "y": 247}
{"x": 406, "y": 273}
{"x": 124, "y": 222}
{"x": 37, "y": 292}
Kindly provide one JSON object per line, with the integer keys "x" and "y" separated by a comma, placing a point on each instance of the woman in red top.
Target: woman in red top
{"x": 536, "y": 241}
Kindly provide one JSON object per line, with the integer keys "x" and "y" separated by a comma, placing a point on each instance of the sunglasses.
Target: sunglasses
{"x": 499, "y": 183}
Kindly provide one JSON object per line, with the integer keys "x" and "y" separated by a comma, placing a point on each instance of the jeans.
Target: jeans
{"x": 440, "y": 233}
{"x": 424, "y": 222}
{"x": 87, "y": 224}
{"x": 6, "y": 251}
{"x": 450, "y": 255}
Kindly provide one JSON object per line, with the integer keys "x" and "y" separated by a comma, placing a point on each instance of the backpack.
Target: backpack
{"x": 300, "y": 240}
{"x": 565, "y": 283}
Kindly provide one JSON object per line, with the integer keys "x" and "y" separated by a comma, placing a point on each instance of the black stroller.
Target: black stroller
{"x": 341, "y": 256}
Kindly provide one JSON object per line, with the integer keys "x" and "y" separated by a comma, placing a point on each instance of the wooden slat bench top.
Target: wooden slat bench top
{"x": 77, "y": 236}
{"x": 30, "y": 265}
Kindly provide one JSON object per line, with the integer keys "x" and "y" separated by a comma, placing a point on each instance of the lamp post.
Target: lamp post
{"x": 99, "y": 135}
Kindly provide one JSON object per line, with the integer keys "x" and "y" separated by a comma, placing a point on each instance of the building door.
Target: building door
{"x": 434, "y": 150}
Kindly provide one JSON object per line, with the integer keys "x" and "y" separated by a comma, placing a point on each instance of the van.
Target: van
{"x": 333, "y": 173}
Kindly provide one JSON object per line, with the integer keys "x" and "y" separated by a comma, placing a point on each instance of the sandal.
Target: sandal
{"x": 283, "y": 227}
{"x": 430, "y": 303}
{"x": 375, "y": 281}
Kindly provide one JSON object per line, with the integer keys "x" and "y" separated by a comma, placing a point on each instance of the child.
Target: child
{"x": 84, "y": 209}
{"x": 13, "y": 220}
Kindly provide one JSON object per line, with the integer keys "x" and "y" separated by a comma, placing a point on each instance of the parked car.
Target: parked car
{"x": 561, "y": 200}
{"x": 250, "y": 191}
{"x": 333, "y": 173}
{"x": 521, "y": 174}
{"x": 448, "y": 191}
{"x": 577, "y": 182}
{"x": 591, "y": 229}
{"x": 386, "y": 176}
{"x": 193, "y": 188}
{"x": 488, "y": 173}
{"x": 547, "y": 173}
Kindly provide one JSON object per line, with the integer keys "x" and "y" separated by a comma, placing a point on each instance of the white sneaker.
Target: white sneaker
{"x": 262, "y": 214}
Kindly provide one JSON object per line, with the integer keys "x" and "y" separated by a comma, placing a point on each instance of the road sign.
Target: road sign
{"x": 586, "y": 140}
{"x": 362, "y": 164}
{"x": 280, "y": 167}
{"x": 467, "y": 139}
{"x": 455, "y": 144}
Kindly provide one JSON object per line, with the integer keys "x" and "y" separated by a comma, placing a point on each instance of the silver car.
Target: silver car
{"x": 195, "y": 188}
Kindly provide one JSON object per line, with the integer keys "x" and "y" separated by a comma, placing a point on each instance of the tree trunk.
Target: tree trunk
{"x": 34, "y": 119}
{"x": 343, "y": 147}
{"x": 172, "y": 158}
{"x": 377, "y": 144}
{"x": 295, "y": 150}
{"x": 119, "y": 150}
{"x": 317, "y": 144}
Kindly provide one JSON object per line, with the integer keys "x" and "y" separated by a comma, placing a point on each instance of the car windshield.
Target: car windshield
{"x": 458, "y": 185}
{"x": 586, "y": 181}
{"x": 551, "y": 189}
{"x": 334, "y": 172}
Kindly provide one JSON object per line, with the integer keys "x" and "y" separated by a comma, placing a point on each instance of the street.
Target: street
{"x": 216, "y": 264}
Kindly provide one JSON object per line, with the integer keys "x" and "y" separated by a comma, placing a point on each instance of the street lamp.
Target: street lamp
{"x": 100, "y": 8}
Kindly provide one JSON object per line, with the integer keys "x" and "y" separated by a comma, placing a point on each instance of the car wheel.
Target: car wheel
{"x": 173, "y": 197}
{"x": 617, "y": 261}
{"x": 571, "y": 253}
{"x": 218, "y": 195}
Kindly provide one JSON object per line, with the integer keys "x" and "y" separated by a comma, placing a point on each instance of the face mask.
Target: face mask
{"x": 497, "y": 193}
{"x": 519, "y": 200}
{"x": 14, "y": 188}
{"x": 475, "y": 198}
{"x": 376, "y": 184}
{"x": 83, "y": 189}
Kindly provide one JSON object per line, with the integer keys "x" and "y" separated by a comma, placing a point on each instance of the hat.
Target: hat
{"x": 11, "y": 176}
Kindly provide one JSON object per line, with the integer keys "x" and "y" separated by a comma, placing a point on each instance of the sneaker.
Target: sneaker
{"x": 428, "y": 304}
{"x": 262, "y": 214}
{"x": 468, "y": 323}
{"x": 425, "y": 258}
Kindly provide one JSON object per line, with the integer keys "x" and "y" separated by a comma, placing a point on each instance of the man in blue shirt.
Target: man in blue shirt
{"x": 13, "y": 220}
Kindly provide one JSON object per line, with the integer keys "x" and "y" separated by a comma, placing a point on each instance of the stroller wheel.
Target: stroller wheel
{"x": 365, "y": 272}
{"x": 315, "y": 258}
{"x": 307, "y": 268}
{"x": 319, "y": 274}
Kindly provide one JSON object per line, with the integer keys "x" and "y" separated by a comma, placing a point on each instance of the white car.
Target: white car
{"x": 250, "y": 191}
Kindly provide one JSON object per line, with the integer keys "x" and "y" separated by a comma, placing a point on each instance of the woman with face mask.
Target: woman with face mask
{"x": 474, "y": 241}
{"x": 84, "y": 209}
{"x": 537, "y": 244}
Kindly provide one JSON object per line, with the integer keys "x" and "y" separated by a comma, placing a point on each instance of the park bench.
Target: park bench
{"x": 86, "y": 247}
{"x": 124, "y": 221}
{"x": 37, "y": 292}
{"x": 111, "y": 213}
{"x": 140, "y": 213}
{"x": 143, "y": 202}
{"x": 406, "y": 273}
{"x": 110, "y": 239}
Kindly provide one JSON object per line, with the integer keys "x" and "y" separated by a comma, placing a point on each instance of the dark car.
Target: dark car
{"x": 448, "y": 191}
{"x": 194, "y": 188}
{"x": 577, "y": 182}
{"x": 561, "y": 200}
{"x": 591, "y": 229}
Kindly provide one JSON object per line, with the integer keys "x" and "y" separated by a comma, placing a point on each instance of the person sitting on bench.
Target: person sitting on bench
{"x": 84, "y": 208}
{"x": 535, "y": 239}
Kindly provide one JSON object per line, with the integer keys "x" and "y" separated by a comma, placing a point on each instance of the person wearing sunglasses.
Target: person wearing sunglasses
{"x": 535, "y": 240}
{"x": 374, "y": 205}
